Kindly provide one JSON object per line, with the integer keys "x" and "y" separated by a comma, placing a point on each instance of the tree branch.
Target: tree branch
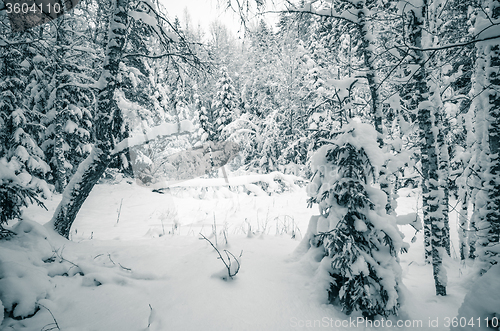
{"x": 160, "y": 131}
{"x": 451, "y": 45}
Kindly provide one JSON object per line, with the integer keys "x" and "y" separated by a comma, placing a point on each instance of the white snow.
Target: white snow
{"x": 481, "y": 304}
{"x": 6, "y": 174}
{"x": 147, "y": 266}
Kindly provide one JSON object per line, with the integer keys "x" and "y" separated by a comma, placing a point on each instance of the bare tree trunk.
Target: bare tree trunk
{"x": 376, "y": 110}
{"x": 463, "y": 223}
{"x": 60, "y": 172}
{"x": 472, "y": 236}
{"x": 488, "y": 220}
{"x": 108, "y": 125}
{"x": 429, "y": 157}
{"x": 444, "y": 172}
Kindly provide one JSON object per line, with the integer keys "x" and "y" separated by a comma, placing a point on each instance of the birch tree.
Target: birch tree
{"x": 109, "y": 127}
{"x": 487, "y": 109}
{"x": 108, "y": 122}
{"x": 424, "y": 97}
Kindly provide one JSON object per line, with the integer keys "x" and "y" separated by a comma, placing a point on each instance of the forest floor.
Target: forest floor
{"x": 145, "y": 268}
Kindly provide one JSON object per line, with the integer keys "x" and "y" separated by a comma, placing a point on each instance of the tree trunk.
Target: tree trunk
{"x": 429, "y": 159}
{"x": 376, "y": 110}
{"x": 472, "y": 236}
{"x": 430, "y": 185}
{"x": 463, "y": 220}
{"x": 108, "y": 126}
{"x": 488, "y": 75}
{"x": 444, "y": 172}
{"x": 60, "y": 171}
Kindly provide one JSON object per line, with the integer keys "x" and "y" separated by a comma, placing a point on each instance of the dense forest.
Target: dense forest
{"x": 360, "y": 99}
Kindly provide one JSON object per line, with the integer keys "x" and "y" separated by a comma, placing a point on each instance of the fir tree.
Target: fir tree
{"x": 223, "y": 106}
{"x": 19, "y": 126}
{"x": 360, "y": 241}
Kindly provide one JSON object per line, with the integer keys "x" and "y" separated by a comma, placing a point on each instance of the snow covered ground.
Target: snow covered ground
{"x": 136, "y": 262}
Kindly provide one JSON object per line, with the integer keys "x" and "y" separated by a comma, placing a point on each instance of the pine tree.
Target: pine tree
{"x": 14, "y": 196}
{"x": 360, "y": 241}
{"x": 223, "y": 106}
{"x": 19, "y": 125}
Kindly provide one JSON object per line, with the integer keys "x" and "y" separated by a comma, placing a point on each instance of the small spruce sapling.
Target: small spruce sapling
{"x": 360, "y": 240}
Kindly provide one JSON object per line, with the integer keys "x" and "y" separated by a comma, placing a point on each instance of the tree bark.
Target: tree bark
{"x": 463, "y": 220}
{"x": 376, "y": 110}
{"x": 60, "y": 171}
{"x": 488, "y": 74}
{"x": 429, "y": 157}
{"x": 444, "y": 172}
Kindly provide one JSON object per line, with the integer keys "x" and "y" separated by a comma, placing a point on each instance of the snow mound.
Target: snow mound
{"x": 24, "y": 279}
{"x": 481, "y": 304}
{"x": 33, "y": 261}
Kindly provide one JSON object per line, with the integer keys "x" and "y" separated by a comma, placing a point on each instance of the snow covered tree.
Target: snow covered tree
{"x": 487, "y": 117}
{"x": 109, "y": 120}
{"x": 19, "y": 125}
{"x": 360, "y": 242}
{"x": 108, "y": 127}
{"x": 68, "y": 118}
{"x": 223, "y": 106}
{"x": 14, "y": 195}
{"x": 270, "y": 147}
{"x": 425, "y": 98}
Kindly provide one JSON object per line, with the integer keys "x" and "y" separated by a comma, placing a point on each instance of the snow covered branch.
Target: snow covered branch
{"x": 160, "y": 131}
{"x": 454, "y": 45}
{"x": 351, "y": 18}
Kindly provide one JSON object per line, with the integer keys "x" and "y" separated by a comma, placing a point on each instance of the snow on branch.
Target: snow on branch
{"x": 345, "y": 16}
{"x": 454, "y": 45}
{"x": 160, "y": 131}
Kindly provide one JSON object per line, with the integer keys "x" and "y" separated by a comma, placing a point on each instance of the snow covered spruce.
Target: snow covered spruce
{"x": 357, "y": 242}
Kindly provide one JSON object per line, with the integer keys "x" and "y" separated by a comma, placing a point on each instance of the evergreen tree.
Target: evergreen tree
{"x": 19, "y": 125}
{"x": 223, "y": 106}
{"x": 360, "y": 241}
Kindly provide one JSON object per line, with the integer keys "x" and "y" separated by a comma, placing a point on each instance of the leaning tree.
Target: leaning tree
{"x": 109, "y": 124}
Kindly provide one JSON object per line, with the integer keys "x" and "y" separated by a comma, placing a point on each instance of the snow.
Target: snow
{"x": 148, "y": 267}
{"x": 412, "y": 219}
{"x": 6, "y": 174}
{"x": 70, "y": 126}
{"x": 22, "y": 279}
{"x": 482, "y": 303}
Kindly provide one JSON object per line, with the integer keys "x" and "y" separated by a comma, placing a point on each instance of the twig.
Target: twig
{"x": 119, "y": 211}
{"x": 56, "y": 325}
{"x": 150, "y": 315}
{"x": 215, "y": 230}
{"x": 109, "y": 256}
{"x": 228, "y": 263}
